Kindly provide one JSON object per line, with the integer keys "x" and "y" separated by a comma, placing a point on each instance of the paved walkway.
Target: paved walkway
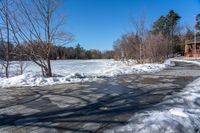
{"x": 89, "y": 107}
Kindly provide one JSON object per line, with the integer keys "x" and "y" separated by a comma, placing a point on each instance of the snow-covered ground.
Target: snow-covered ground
{"x": 197, "y": 62}
{"x": 177, "y": 114}
{"x": 68, "y": 71}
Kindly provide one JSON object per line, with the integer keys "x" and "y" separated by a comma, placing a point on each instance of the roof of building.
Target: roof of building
{"x": 191, "y": 42}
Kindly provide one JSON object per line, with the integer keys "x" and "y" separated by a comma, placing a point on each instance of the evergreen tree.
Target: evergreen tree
{"x": 88, "y": 54}
{"x": 78, "y": 50}
{"x": 172, "y": 19}
{"x": 167, "y": 25}
{"x": 198, "y": 22}
{"x": 197, "y": 26}
{"x": 159, "y": 26}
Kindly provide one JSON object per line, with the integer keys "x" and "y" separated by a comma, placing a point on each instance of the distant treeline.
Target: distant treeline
{"x": 59, "y": 52}
{"x": 78, "y": 52}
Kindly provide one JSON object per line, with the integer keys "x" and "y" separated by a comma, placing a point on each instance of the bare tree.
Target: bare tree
{"x": 22, "y": 66}
{"x": 130, "y": 44}
{"x": 155, "y": 48}
{"x": 141, "y": 31}
{"x": 37, "y": 25}
{"x": 5, "y": 36}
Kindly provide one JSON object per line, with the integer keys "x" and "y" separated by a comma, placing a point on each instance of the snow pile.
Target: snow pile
{"x": 68, "y": 71}
{"x": 187, "y": 61}
{"x": 36, "y": 79}
{"x": 119, "y": 68}
{"x": 179, "y": 114}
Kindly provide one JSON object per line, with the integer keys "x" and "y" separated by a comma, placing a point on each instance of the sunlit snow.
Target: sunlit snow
{"x": 68, "y": 71}
{"x": 177, "y": 114}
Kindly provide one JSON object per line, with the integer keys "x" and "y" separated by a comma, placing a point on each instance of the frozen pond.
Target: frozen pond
{"x": 67, "y": 71}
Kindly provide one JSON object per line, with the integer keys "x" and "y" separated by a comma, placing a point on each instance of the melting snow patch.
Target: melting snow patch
{"x": 178, "y": 112}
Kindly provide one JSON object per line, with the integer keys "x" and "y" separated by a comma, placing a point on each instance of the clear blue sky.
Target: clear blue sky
{"x": 97, "y": 23}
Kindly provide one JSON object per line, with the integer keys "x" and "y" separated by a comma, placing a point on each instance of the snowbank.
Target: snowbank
{"x": 180, "y": 114}
{"x": 69, "y": 71}
{"x": 187, "y": 61}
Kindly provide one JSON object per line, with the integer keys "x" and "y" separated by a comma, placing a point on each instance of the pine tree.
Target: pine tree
{"x": 198, "y": 22}
{"x": 78, "y": 51}
{"x": 167, "y": 25}
{"x": 159, "y": 26}
{"x": 197, "y": 26}
{"x": 172, "y": 19}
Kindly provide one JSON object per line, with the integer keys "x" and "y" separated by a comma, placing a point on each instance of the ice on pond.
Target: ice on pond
{"x": 68, "y": 71}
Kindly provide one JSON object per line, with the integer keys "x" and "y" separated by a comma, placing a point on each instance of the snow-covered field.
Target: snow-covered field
{"x": 68, "y": 71}
{"x": 177, "y": 114}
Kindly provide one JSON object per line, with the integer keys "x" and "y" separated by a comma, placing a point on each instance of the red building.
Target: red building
{"x": 192, "y": 49}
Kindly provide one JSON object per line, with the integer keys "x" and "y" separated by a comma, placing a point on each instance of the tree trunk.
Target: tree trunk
{"x": 48, "y": 19}
{"x": 6, "y": 69}
{"x": 8, "y": 40}
{"x": 49, "y": 73}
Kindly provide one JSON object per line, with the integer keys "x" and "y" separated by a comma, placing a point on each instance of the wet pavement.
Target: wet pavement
{"x": 92, "y": 106}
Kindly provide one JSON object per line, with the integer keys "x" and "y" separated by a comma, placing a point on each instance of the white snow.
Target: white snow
{"x": 177, "y": 114}
{"x": 68, "y": 71}
{"x": 187, "y": 61}
{"x": 180, "y": 113}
